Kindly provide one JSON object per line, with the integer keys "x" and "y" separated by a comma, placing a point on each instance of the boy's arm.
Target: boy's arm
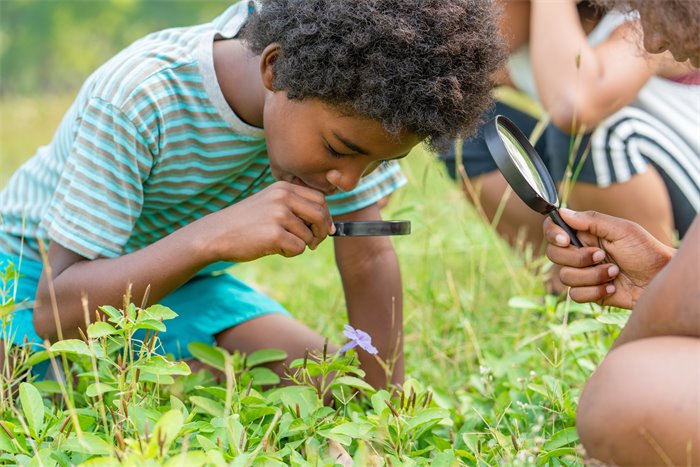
{"x": 281, "y": 219}
{"x": 371, "y": 279}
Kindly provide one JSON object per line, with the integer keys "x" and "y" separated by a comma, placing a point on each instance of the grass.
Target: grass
{"x": 506, "y": 361}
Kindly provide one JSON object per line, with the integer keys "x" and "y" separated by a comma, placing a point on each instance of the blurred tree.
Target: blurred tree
{"x": 51, "y": 46}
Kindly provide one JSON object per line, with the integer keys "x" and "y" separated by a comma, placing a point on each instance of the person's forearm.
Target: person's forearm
{"x": 556, "y": 40}
{"x": 164, "y": 266}
{"x": 372, "y": 284}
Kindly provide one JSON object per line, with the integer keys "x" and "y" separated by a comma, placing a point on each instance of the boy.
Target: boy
{"x": 237, "y": 139}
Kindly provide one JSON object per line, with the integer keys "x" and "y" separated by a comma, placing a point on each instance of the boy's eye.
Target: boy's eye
{"x": 335, "y": 153}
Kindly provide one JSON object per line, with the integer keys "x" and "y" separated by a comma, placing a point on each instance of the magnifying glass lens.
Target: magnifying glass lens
{"x": 524, "y": 170}
{"x": 523, "y": 162}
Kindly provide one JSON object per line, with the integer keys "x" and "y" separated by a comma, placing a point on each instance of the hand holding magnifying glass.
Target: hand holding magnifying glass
{"x": 524, "y": 170}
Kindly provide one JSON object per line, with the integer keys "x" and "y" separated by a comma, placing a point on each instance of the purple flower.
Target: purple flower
{"x": 358, "y": 338}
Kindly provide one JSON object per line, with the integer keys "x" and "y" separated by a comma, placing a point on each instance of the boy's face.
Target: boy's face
{"x": 313, "y": 144}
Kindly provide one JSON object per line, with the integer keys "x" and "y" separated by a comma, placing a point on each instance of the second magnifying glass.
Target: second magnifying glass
{"x": 524, "y": 170}
{"x": 371, "y": 228}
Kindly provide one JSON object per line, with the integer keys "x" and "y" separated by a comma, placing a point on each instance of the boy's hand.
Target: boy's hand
{"x": 281, "y": 219}
{"x": 637, "y": 254}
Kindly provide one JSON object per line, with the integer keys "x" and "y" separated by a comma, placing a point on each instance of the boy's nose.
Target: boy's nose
{"x": 345, "y": 179}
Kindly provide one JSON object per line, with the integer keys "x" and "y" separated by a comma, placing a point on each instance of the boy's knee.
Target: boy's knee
{"x": 640, "y": 406}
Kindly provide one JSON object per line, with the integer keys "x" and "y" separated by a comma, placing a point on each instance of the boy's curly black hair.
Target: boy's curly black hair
{"x": 418, "y": 65}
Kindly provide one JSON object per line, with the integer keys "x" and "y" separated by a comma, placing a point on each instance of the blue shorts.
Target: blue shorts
{"x": 620, "y": 147}
{"x": 206, "y": 305}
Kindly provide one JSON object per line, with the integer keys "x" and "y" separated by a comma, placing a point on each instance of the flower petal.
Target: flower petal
{"x": 347, "y": 347}
{"x": 369, "y": 347}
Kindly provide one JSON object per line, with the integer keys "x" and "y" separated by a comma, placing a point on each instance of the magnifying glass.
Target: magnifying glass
{"x": 524, "y": 170}
{"x": 371, "y": 228}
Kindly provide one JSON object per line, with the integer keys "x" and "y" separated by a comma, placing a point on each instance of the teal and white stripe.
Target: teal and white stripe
{"x": 148, "y": 146}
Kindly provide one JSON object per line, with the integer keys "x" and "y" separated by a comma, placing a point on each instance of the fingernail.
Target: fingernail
{"x": 332, "y": 231}
{"x": 560, "y": 240}
{"x": 598, "y": 256}
{"x": 613, "y": 271}
{"x": 610, "y": 289}
{"x": 567, "y": 211}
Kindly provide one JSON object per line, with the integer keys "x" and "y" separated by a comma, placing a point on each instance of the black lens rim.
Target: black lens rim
{"x": 372, "y": 228}
{"x": 510, "y": 171}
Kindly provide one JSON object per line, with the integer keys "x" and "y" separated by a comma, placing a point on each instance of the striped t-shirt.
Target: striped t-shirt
{"x": 149, "y": 146}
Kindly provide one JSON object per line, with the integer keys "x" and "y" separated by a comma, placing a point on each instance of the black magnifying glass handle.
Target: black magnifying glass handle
{"x": 556, "y": 217}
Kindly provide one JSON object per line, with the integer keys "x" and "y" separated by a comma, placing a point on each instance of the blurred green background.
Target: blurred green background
{"x": 49, "y": 47}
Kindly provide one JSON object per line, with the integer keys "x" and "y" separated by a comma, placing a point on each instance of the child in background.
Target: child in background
{"x": 650, "y": 380}
{"x": 639, "y": 114}
{"x": 233, "y": 140}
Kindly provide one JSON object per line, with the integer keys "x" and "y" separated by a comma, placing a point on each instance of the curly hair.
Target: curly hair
{"x": 678, "y": 19}
{"x": 419, "y": 65}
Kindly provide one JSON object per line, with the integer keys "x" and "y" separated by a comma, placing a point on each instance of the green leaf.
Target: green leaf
{"x": 264, "y": 376}
{"x": 556, "y": 454}
{"x": 524, "y": 303}
{"x": 339, "y": 437}
{"x": 207, "y": 405}
{"x": 47, "y": 386}
{"x": 71, "y": 346}
{"x": 158, "y": 365}
{"x": 580, "y": 326}
{"x": 42, "y": 459}
{"x": 443, "y": 459}
{"x": 354, "y": 430}
{"x": 263, "y": 356}
{"x": 97, "y": 389}
{"x": 6, "y": 444}
{"x": 167, "y": 429}
{"x": 32, "y": 407}
{"x": 159, "y": 312}
{"x": 618, "y": 318}
{"x": 428, "y": 416}
{"x": 88, "y": 444}
{"x": 304, "y": 396}
{"x": 162, "y": 380}
{"x": 38, "y": 357}
{"x": 212, "y": 356}
{"x": 206, "y": 443}
{"x": 353, "y": 382}
{"x": 561, "y": 438}
{"x": 100, "y": 329}
{"x": 378, "y": 401}
{"x": 112, "y": 312}
{"x": 152, "y": 324}
{"x": 177, "y": 404}
{"x": 75, "y": 346}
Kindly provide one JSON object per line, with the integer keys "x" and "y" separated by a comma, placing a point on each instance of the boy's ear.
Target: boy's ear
{"x": 267, "y": 62}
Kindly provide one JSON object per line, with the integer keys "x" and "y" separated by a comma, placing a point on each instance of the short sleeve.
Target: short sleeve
{"x": 99, "y": 195}
{"x": 381, "y": 182}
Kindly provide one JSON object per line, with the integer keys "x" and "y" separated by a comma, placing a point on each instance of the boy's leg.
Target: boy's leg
{"x": 273, "y": 331}
{"x": 221, "y": 309}
{"x": 642, "y": 404}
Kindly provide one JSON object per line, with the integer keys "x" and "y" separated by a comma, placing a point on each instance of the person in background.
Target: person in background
{"x": 628, "y": 118}
{"x": 642, "y": 404}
